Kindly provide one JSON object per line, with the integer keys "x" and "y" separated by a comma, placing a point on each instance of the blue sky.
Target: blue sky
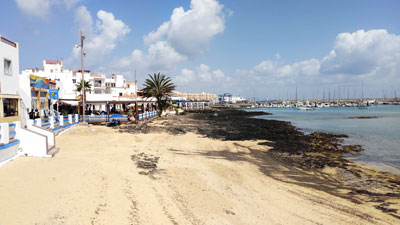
{"x": 241, "y": 47}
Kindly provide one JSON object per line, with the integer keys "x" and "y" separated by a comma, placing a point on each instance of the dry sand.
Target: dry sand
{"x": 94, "y": 180}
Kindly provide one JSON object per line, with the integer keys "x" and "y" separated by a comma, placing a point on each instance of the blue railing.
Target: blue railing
{"x": 105, "y": 118}
{"x": 146, "y": 115}
{"x": 11, "y": 133}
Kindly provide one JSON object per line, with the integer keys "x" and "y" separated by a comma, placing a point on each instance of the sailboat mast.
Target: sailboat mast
{"x": 362, "y": 91}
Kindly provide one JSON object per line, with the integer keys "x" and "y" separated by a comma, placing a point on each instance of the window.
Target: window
{"x": 73, "y": 81}
{"x": 97, "y": 83}
{"x": 51, "y": 70}
{"x": 7, "y": 67}
{"x": 97, "y": 91}
{"x": 10, "y": 106}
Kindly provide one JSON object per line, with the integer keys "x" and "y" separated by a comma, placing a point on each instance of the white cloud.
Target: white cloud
{"x": 189, "y": 32}
{"x": 229, "y": 12}
{"x": 185, "y": 35}
{"x": 42, "y": 8}
{"x": 203, "y": 78}
{"x": 186, "y": 76}
{"x": 218, "y": 74}
{"x": 157, "y": 35}
{"x": 160, "y": 57}
{"x": 101, "y": 37}
{"x": 83, "y": 19}
{"x": 361, "y": 52}
{"x": 370, "y": 56}
{"x": 69, "y": 3}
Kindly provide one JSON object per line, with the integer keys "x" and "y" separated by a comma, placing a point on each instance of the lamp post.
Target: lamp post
{"x": 83, "y": 80}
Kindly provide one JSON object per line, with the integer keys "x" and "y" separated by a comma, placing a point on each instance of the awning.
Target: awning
{"x": 72, "y": 103}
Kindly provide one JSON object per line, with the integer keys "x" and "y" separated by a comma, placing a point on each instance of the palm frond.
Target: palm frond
{"x": 159, "y": 86}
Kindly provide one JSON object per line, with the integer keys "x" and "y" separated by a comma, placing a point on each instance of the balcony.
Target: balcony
{"x": 99, "y": 86}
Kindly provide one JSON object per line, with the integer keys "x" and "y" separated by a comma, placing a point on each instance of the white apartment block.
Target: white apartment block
{"x": 10, "y": 109}
{"x": 102, "y": 88}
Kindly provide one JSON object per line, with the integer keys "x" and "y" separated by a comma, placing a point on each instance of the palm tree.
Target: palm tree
{"x": 160, "y": 87}
{"x": 88, "y": 87}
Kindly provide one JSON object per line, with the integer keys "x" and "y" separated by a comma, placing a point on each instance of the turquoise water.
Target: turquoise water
{"x": 380, "y": 137}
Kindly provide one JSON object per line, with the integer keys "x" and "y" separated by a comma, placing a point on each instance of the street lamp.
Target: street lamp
{"x": 83, "y": 78}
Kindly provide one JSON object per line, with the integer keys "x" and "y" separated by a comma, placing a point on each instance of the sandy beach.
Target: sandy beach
{"x": 185, "y": 178}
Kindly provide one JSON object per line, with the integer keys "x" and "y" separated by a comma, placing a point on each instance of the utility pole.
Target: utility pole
{"x": 83, "y": 80}
{"x": 135, "y": 84}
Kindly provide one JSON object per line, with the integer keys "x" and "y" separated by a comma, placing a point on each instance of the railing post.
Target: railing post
{"x": 29, "y": 123}
{"x": 51, "y": 120}
{"x": 77, "y": 118}
{"x": 38, "y": 122}
{"x": 5, "y": 133}
{"x": 61, "y": 120}
{"x": 70, "y": 119}
{"x": 17, "y": 129}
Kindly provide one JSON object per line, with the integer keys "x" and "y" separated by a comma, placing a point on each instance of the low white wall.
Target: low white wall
{"x": 32, "y": 143}
{"x": 49, "y": 134}
{"x": 8, "y": 150}
{"x": 4, "y": 132}
{"x": 8, "y": 154}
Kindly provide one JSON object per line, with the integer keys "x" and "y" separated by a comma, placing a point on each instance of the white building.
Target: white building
{"x": 238, "y": 99}
{"x": 102, "y": 88}
{"x": 228, "y": 98}
{"x": 10, "y": 109}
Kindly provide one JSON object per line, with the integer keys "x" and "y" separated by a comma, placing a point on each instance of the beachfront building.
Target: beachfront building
{"x": 230, "y": 99}
{"x": 238, "y": 99}
{"x": 225, "y": 98}
{"x": 10, "y": 109}
{"x": 17, "y": 135}
{"x": 35, "y": 85}
{"x": 66, "y": 80}
{"x": 196, "y": 96}
{"x": 194, "y": 100}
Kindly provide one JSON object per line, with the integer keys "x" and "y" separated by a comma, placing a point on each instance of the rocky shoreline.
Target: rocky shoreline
{"x": 318, "y": 157}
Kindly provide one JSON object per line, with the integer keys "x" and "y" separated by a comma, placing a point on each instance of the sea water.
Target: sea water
{"x": 380, "y": 137}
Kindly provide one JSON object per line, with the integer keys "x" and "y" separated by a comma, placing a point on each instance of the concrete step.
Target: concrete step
{"x": 52, "y": 150}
